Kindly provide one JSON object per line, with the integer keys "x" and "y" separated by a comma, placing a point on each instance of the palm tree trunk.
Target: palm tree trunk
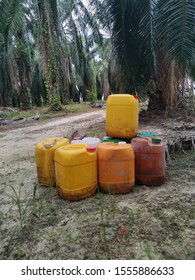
{"x": 163, "y": 90}
{"x": 106, "y": 87}
{"x": 24, "y": 73}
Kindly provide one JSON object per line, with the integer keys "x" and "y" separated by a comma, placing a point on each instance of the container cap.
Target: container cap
{"x": 105, "y": 137}
{"x": 90, "y": 149}
{"x": 146, "y": 134}
{"x": 110, "y": 139}
{"x": 156, "y": 140}
{"x": 136, "y": 96}
{"x": 48, "y": 145}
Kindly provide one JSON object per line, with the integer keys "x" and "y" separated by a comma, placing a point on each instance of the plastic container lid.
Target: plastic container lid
{"x": 110, "y": 139}
{"x": 145, "y": 134}
{"x": 105, "y": 138}
{"x": 156, "y": 140}
{"x": 48, "y": 145}
{"x": 90, "y": 149}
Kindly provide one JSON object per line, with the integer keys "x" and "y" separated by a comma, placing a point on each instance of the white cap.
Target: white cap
{"x": 105, "y": 137}
{"x": 48, "y": 144}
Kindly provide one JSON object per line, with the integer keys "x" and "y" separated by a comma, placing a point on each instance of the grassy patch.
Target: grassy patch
{"x": 45, "y": 113}
{"x": 183, "y": 160}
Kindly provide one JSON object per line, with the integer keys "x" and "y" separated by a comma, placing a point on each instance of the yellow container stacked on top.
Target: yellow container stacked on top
{"x": 122, "y": 116}
{"x": 76, "y": 171}
{"x": 45, "y": 159}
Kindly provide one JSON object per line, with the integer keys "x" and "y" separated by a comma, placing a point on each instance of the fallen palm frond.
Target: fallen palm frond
{"x": 179, "y": 137}
{"x": 20, "y": 120}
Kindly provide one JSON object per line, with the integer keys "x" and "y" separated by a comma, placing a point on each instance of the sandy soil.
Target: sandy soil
{"x": 35, "y": 223}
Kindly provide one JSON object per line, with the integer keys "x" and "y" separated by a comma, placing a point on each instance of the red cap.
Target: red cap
{"x": 136, "y": 96}
{"x": 90, "y": 149}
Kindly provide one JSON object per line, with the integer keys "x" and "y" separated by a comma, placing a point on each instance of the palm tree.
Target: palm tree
{"x": 14, "y": 44}
{"x": 153, "y": 41}
{"x": 54, "y": 37}
{"x": 49, "y": 47}
{"x": 82, "y": 30}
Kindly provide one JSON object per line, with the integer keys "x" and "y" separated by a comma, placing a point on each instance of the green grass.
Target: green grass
{"x": 183, "y": 160}
{"x": 46, "y": 114}
{"x": 15, "y": 196}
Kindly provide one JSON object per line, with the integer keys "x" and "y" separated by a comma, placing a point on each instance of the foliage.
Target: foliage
{"x": 45, "y": 48}
{"x": 55, "y": 104}
{"x": 153, "y": 40}
{"x": 63, "y": 50}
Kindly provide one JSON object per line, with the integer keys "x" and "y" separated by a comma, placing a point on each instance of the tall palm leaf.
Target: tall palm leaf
{"x": 130, "y": 48}
{"x": 175, "y": 26}
{"x": 13, "y": 29}
{"x": 178, "y": 16}
{"x": 82, "y": 31}
{"x": 163, "y": 32}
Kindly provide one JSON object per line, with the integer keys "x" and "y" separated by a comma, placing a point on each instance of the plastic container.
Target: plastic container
{"x": 45, "y": 159}
{"x": 122, "y": 116}
{"x": 116, "y": 172}
{"x": 76, "y": 171}
{"x": 92, "y": 141}
{"x": 149, "y": 161}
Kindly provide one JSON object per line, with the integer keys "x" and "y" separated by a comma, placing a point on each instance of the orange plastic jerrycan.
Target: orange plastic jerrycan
{"x": 116, "y": 173}
{"x": 149, "y": 161}
{"x": 122, "y": 116}
{"x": 45, "y": 159}
{"x": 76, "y": 171}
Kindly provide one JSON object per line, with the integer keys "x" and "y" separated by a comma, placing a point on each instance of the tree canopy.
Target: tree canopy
{"x": 52, "y": 52}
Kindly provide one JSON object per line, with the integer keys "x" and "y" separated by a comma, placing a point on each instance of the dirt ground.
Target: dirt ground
{"x": 35, "y": 223}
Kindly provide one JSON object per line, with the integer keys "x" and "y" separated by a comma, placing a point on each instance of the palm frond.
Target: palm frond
{"x": 176, "y": 28}
{"x": 77, "y": 46}
{"x": 130, "y": 52}
{"x": 11, "y": 17}
{"x": 87, "y": 21}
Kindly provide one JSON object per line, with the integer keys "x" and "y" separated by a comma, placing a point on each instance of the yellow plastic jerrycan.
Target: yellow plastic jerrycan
{"x": 116, "y": 168}
{"x": 122, "y": 116}
{"x": 45, "y": 159}
{"x": 76, "y": 171}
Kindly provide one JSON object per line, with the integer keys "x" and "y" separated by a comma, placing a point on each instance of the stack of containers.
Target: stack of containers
{"x": 122, "y": 113}
{"x": 115, "y": 165}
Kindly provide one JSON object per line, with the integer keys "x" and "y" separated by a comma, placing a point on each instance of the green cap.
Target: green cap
{"x": 146, "y": 134}
{"x": 156, "y": 140}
